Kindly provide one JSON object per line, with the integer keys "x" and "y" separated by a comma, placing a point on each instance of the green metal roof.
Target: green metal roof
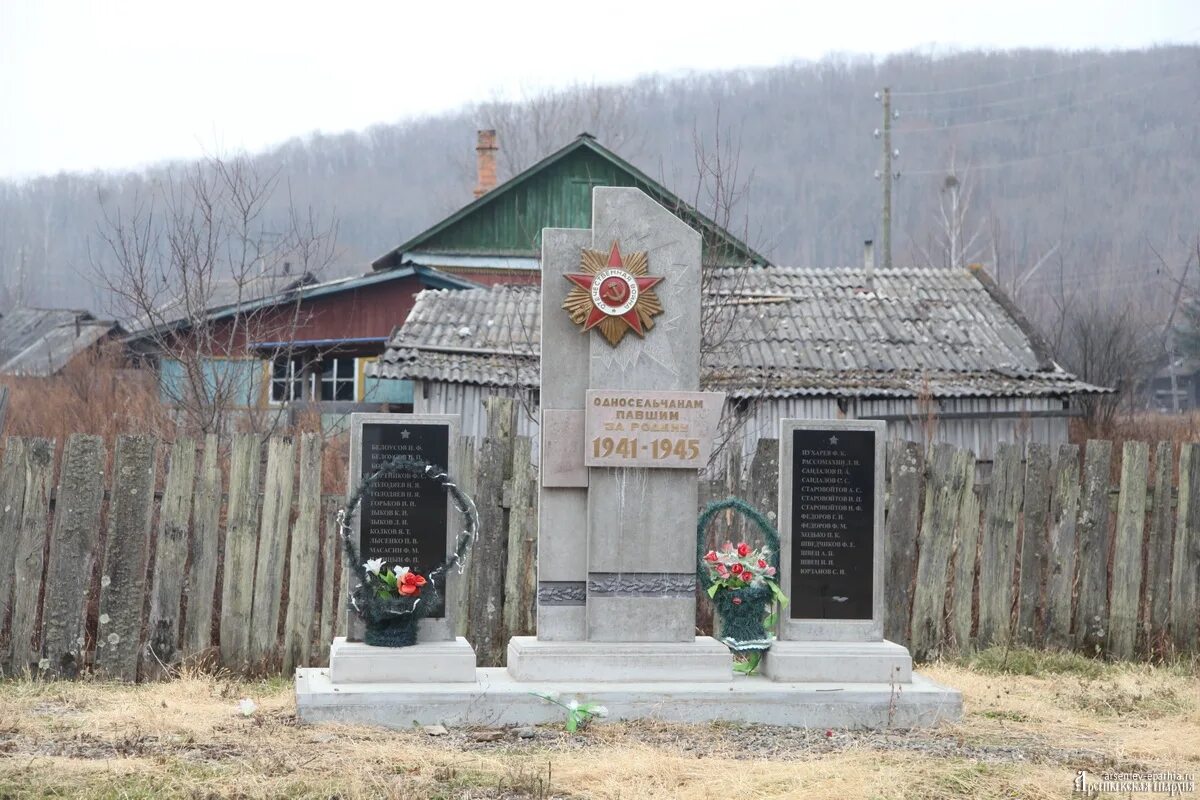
{"x": 556, "y": 192}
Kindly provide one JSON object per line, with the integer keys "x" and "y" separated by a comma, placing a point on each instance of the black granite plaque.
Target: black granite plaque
{"x": 833, "y": 524}
{"x": 403, "y": 518}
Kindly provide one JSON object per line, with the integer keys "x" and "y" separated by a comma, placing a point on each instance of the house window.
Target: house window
{"x": 287, "y": 379}
{"x": 337, "y": 379}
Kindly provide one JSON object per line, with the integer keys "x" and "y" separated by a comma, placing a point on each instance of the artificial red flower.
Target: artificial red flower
{"x": 762, "y": 564}
{"x": 737, "y": 601}
{"x": 712, "y": 556}
{"x": 410, "y": 584}
{"x": 721, "y": 570}
{"x": 736, "y": 569}
{"x": 743, "y": 549}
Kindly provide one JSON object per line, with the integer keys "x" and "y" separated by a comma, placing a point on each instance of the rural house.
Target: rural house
{"x": 40, "y": 342}
{"x": 941, "y": 355}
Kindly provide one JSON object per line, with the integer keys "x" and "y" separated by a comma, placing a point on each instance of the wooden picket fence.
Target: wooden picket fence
{"x": 1041, "y": 553}
{"x": 224, "y": 552}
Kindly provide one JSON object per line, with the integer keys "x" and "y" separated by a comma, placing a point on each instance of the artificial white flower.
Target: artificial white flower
{"x": 373, "y": 565}
{"x": 573, "y": 705}
{"x": 247, "y": 707}
{"x": 600, "y": 711}
{"x": 400, "y": 572}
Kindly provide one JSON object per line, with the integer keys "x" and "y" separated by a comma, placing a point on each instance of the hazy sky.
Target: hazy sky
{"x": 89, "y": 84}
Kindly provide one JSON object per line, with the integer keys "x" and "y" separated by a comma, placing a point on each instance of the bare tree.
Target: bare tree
{"x": 199, "y": 244}
{"x": 958, "y": 238}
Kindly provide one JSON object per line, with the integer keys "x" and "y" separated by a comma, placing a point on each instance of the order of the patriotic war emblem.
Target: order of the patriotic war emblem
{"x": 614, "y": 293}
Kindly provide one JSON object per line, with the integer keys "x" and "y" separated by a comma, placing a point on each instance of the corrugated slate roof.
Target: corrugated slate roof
{"x": 901, "y": 333}
{"x": 41, "y": 341}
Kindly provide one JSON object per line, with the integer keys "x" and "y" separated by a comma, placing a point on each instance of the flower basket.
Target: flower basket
{"x": 391, "y": 603}
{"x": 742, "y": 598}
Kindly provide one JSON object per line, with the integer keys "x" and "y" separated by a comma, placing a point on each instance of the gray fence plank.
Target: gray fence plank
{"x": 968, "y": 532}
{"x": 298, "y": 630}
{"x": 23, "y": 652}
{"x": 170, "y": 560}
{"x": 1161, "y": 540}
{"x": 332, "y": 607}
{"x": 12, "y": 506}
{"x": 126, "y": 549}
{"x": 1061, "y": 546}
{"x": 1125, "y": 590}
{"x": 205, "y": 551}
{"x": 467, "y": 481}
{"x": 1034, "y": 543}
{"x": 943, "y": 489}
{"x": 72, "y": 554}
{"x": 241, "y": 544}
{"x": 1095, "y": 534}
{"x": 520, "y": 578}
{"x": 272, "y": 549}
{"x": 999, "y": 546}
{"x": 900, "y": 536}
{"x": 1187, "y": 551}
{"x": 486, "y": 624}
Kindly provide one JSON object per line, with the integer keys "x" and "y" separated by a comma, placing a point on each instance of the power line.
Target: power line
{"x": 1010, "y": 82}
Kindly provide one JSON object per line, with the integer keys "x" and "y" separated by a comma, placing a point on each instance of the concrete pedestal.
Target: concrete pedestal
{"x": 702, "y": 660}
{"x": 843, "y": 662}
{"x": 353, "y": 663}
{"x": 496, "y": 698}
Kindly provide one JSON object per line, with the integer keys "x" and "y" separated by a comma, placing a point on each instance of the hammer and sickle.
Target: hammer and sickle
{"x": 616, "y": 293}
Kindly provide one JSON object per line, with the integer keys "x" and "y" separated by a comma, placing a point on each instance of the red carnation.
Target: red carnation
{"x": 743, "y": 549}
{"x": 736, "y": 569}
{"x": 712, "y": 556}
{"x": 762, "y": 564}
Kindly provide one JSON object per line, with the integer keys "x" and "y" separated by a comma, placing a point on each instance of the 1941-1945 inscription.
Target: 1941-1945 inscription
{"x": 833, "y": 536}
{"x": 404, "y": 517}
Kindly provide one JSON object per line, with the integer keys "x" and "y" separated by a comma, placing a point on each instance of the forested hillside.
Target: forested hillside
{"x": 1079, "y": 162}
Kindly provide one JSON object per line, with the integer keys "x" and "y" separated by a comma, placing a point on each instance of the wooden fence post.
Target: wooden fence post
{"x": 487, "y": 586}
{"x": 12, "y": 507}
{"x": 272, "y": 550}
{"x": 1126, "y": 587}
{"x": 520, "y": 580}
{"x": 1091, "y": 619}
{"x": 943, "y": 488}
{"x": 1158, "y": 549}
{"x": 1034, "y": 543}
{"x": 126, "y": 550}
{"x": 461, "y": 583}
{"x": 1060, "y": 580}
{"x": 241, "y": 540}
{"x": 206, "y": 533}
{"x": 170, "y": 560}
{"x": 302, "y": 570}
{"x": 1187, "y": 551}
{"x": 998, "y": 556}
{"x": 332, "y": 606}
{"x": 23, "y": 654}
{"x": 900, "y": 537}
{"x": 967, "y": 533}
{"x": 72, "y": 554}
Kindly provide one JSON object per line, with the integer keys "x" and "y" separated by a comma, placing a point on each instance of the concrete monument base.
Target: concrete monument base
{"x": 848, "y": 662}
{"x": 702, "y": 660}
{"x": 423, "y": 662}
{"x": 496, "y": 698}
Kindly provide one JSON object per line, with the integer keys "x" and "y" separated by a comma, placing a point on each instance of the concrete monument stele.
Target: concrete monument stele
{"x": 625, "y": 431}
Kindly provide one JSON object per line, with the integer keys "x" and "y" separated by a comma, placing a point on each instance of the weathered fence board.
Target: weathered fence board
{"x": 1187, "y": 551}
{"x": 272, "y": 548}
{"x": 900, "y": 536}
{"x": 126, "y": 549}
{"x": 241, "y": 542}
{"x": 332, "y": 607}
{"x": 961, "y": 612}
{"x": 999, "y": 546}
{"x": 1034, "y": 560}
{"x": 486, "y": 624}
{"x": 304, "y": 563}
{"x": 205, "y": 550}
{"x": 1091, "y": 616}
{"x": 943, "y": 489}
{"x": 520, "y": 578}
{"x": 170, "y": 559}
{"x": 23, "y": 652}
{"x": 12, "y": 506}
{"x": 1126, "y": 586}
{"x": 1159, "y": 544}
{"x": 467, "y": 481}
{"x": 1061, "y": 545}
{"x": 74, "y": 541}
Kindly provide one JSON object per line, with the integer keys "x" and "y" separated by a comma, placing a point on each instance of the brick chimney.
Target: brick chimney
{"x": 485, "y": 151}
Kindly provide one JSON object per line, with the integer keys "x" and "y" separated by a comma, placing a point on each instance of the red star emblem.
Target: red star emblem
{"x": 614, "y": 291}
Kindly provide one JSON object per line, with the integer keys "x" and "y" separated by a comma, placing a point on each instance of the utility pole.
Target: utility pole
{"x": 887, "y": 174}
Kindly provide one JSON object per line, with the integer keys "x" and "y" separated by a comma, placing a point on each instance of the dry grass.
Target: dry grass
{"x": 1023, "y": 735}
